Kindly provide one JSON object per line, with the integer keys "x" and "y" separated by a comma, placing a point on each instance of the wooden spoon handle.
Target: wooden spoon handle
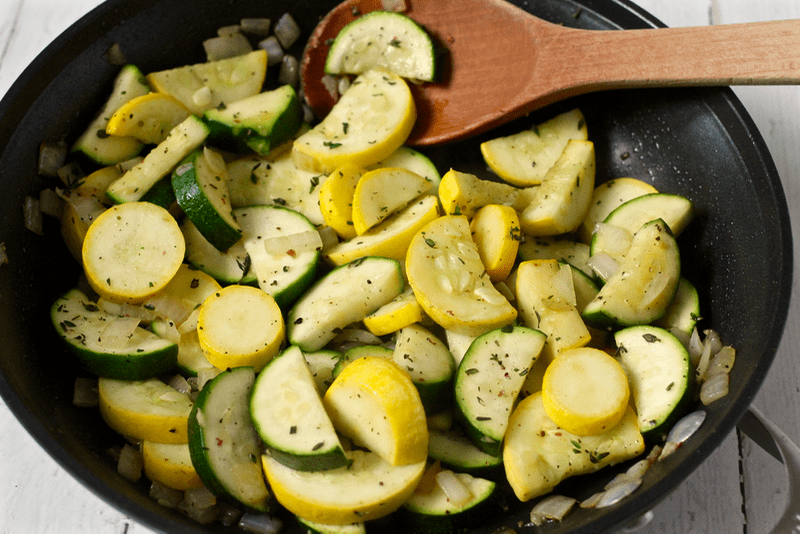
{"x": 734, "y": 54}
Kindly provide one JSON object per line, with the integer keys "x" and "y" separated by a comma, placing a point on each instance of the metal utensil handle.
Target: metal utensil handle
{"x": 790, "y": 456}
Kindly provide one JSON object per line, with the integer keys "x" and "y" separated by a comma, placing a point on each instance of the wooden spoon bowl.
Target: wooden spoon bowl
{"x": 501, "y": 63}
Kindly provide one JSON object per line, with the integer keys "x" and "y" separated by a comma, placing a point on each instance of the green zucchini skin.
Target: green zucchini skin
{"x": 80, "y": 323}
{"x": 229, "y": 464}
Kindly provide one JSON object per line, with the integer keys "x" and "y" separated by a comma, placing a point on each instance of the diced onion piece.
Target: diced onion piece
{"x": 695, "y": 347}
{"x": 343, "y": 83}
{"x": 85, "y": 394}
{"x": 274, "y": 50}
{"x": 705, "y": 359}
{"x": 225, "y": 46}
{"x": 260, "y": 523}
{"x": 328, "y": 237}
{"x": 199, "y": 504}
{"x": 51, "y": 158}
{"x": 224, "y": 31}
{"x": 179, "y": 384}
{"x": 199, "y": 498}
{"x": 457, "y": 493}
{"x": 398, "y": 6}
{"x": 286, "y": 30}
{"x": 712, "y": 338}
{"x": 130, "y": 463}
{"x": 32, "y": 215}
{"x": 293, "y": 244}
{"x": 714, "y": 388}
{"x": 70, "y": 174}
{"x": 289, "y": 73}
{"x": 331, "y": 84}
{"x": 164, "y": 495}
{"x": 114, "y": 55}
{"x": 190, "y": 324}
{"x": 592, "y": 500}
{"x": 552, "y": 508}
{"x": 202, "y": 97}
{"x": 603, "y": 264}
{"x": 50, "y": 203}
{"x": 616, "y": 240}
{"x": 256, "y": 26}
{"x": 119, "y": 331}
{"x": 722, "y": 362}
{"x": 205, "y": 374}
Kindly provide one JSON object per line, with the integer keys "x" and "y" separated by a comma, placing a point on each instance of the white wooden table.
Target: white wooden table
{"x": 739, "y": 489}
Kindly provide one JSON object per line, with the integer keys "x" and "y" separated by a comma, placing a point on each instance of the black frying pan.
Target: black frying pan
{"x": 696, "y": 142}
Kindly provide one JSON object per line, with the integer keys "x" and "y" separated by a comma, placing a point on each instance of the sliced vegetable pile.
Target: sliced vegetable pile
{"x": 350, "y": 333}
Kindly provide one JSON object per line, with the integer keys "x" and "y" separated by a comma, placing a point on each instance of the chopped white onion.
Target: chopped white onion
{"x": 695, "y": 347}
{"x": 714, "y": 388}
{"x": 286, "y": 30}
{"x": 398, "y": 6}
{"x": 289, "y": 73}
{"x": 260, "y": 523}
{"x": 50, "y": 203}
{"x": 592, "y": 500}
{"x": 190, "y": 323}
{"x": 552, "y": 508}
{"x": 274, "y": 50}
{"x": 328, "y": 237}
{"x": 331, "y": 85}
{"x": 226, "y": 46}
{"x": 85, "y": 394}
{"x": 32, "y": 215}
{"x": 114, "y": 55}
{"x": 616, "y": 240}
{"x": 202, "y": 97}
{"x": 713, "y": 338}
{"x": 457, "y": 493}
{"x": 256, "y": 26}
{"x": 224, "y": 31}
{"x": 722, "y": 362}
{"x": 199, "y": 497}
{"x": 603, "y": 264}
{"x": 70, "y": 174}
{"x": 130, "y": 463}
{"x": 51, "y": 158}
{"x": 343, "y": 83}
{"x": 702, "y": 364}
{"x": 119, "y": 330}
{"x": 164, "y": 495}
{"x": 179, "y": 384}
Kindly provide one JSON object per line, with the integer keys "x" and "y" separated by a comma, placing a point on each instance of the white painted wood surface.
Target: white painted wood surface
{"x": 739, "y": 489}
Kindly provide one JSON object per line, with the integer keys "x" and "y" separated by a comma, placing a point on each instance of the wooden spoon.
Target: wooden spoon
{"x": 502, "y": 63}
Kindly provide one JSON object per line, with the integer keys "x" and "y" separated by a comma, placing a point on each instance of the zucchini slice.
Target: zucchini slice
{"x": 223, "y": 443}
{"x": 136, "y": 355}
{"x": 660, "y": 373}
{"x": 208, "y": 85}
{"x": 95, "y": 143}
{"x": 345, "y": 295}
{"x": 436, "y": 512}
{"x": 675, "y": 210}
{"x": 201, "y": 188}
{"x": 490, "y": 377}
{"x": 284, "y": 250}
{"x": 645, "y": 284}
{"x": 383, "y": 40}
{"x": 288, "y": 414}
{"x": 456, "y": 451}
{"x": 230, "y": 267}
{"x": 429, "y": 364}
{"x": 159, "y": 162}
{"x": 259, "y": 123}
